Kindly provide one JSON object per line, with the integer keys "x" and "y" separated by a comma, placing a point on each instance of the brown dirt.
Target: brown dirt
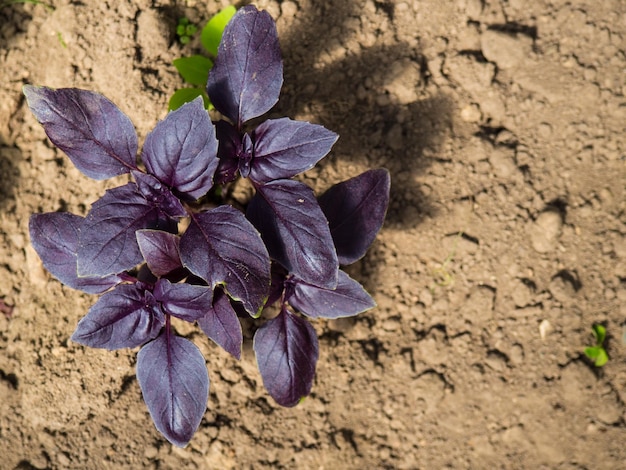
{"x": 503, "y": 124}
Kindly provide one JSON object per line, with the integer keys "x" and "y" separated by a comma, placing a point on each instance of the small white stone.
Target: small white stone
{"x": 545, "y": 328}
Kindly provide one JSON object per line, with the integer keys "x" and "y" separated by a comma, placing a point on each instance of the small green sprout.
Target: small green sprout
{"x": 185, "y": 30}
{"x": 195, "y": 69}
{"x": 597, "y": 353}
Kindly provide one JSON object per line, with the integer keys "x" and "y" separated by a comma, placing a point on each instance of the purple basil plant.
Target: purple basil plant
{"x": 153, "y": 251}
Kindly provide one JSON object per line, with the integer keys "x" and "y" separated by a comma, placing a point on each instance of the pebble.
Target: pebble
{"x": 545, "y": 231}
{"x": 507, "y": 51}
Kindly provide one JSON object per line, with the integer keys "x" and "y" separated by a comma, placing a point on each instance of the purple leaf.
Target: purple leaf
{"x": 184, "y": 301}
{"x": 222, "y": 247}
{"x": 356, "y": 211}
{"x": 295, "y": 231}
{"x": 159, "y": 195}
{"x": 283, "y": 148}
{"x": 54, "y": 237}
{"x": 230, "y": 148}
{"x": 221, "y": 324}
{"x": 98, "y": 137}
{"x": 286, "y": 349}
{"x": 107, "y": 241}
{"x": 348, "y": 299}
{"x": 181, "y": 151}
{"x": 174, "y": 383}
{"x": 247, "y": 76}
{"x": 160, "y": 250}
{"x": 126, "y": 317}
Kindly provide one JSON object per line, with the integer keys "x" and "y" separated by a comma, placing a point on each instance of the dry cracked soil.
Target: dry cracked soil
{"x": 503, "y": 125}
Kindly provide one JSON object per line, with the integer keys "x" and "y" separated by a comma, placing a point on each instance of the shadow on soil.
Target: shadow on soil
{"x": 9, "y": 174}
{"x": 405, "y": 131}
{"x": 14, "y": 19}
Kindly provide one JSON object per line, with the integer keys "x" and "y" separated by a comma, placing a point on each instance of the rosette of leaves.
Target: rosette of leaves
{"x": 152, "y": 251}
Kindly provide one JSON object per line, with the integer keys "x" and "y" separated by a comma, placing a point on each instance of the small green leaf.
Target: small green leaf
{"x": 602, "y": 358}
{"x": 212, "y": 31}
{"x": 186, "y": 95}
{"x": 600, "y": 333}
{"x": 592, "y": 352}
{"x": 194, "y": 69}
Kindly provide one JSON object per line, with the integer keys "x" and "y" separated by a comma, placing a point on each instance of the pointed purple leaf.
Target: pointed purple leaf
{"x": 98, "y": 137}
{"x": 126, "y": 317}
{"x": 221, "y": 324}
{"x": 356, "y": 210}
{"x": 283, "y": 148}
{"x": 286, "y": 349}
{"x": 54, "y": 237}
{"x": 222, "y": 247}
{"x": 160, "y": 250}
{"x": 247, "y": 76}
{"x": 295, "y": 231}
{"x": 107, "y": 241}
{"x": 181, "y": 151}
{"x": 348, "y": 299}
{"x": 174, "y": 383}
{"x": 184, "y": 301}
{"x": 159, "y": 195}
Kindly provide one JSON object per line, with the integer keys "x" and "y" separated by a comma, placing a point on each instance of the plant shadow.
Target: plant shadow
{"x": 373, "y": 129}
{"x": 14, "y": 20}
{"x": 9, "y": 174}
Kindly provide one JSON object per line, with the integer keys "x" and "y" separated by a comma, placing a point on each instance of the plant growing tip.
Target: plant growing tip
{"x": 153, "y": 251}
{"x": 597, "y": 353}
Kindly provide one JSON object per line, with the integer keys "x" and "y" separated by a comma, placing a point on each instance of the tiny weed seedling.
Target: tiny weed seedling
{"x": 185, "y": 30}
{"x": 152, "y": 250}
{"x": 597, "y": 353}
{"x": 195, "y": 69}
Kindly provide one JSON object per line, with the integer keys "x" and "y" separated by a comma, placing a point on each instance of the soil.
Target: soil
{"x": 503, "y": 124}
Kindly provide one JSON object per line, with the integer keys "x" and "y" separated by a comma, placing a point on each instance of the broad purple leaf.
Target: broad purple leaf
{"x": 54, "y": 237}
{"x": 222, "y": 247}
{"x": 98, "y": 137}
{"x": 221, "y": 324}
{"x": 125, "y": 317}
{"x": 160, "y": 250}
{"x": 184, "y": 301}
{"x": 295, "y": 231}
{"x": 181, "y": 151}
{"x": 107, "y": 242}
{"x": 246, "y": 78}
{"x": 230, "y": 147}
{"x": 348, "y": 299}
{"x": 174, "y": 383}
{"x": 159, "y": 195}
{"x": 286, "y": 349}
{"x": 356, "y": 210}
{"x": 283, "y": 148}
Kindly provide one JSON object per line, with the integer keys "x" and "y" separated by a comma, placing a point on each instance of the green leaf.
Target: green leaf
{"x": 602, "y": 358}
{"x": 212, "y": 31}
{"x": 186, "y": 95}
{"x": 592, "y": 352}
{"x": 600, "y": 333}
{"x": 194, "y": 69}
